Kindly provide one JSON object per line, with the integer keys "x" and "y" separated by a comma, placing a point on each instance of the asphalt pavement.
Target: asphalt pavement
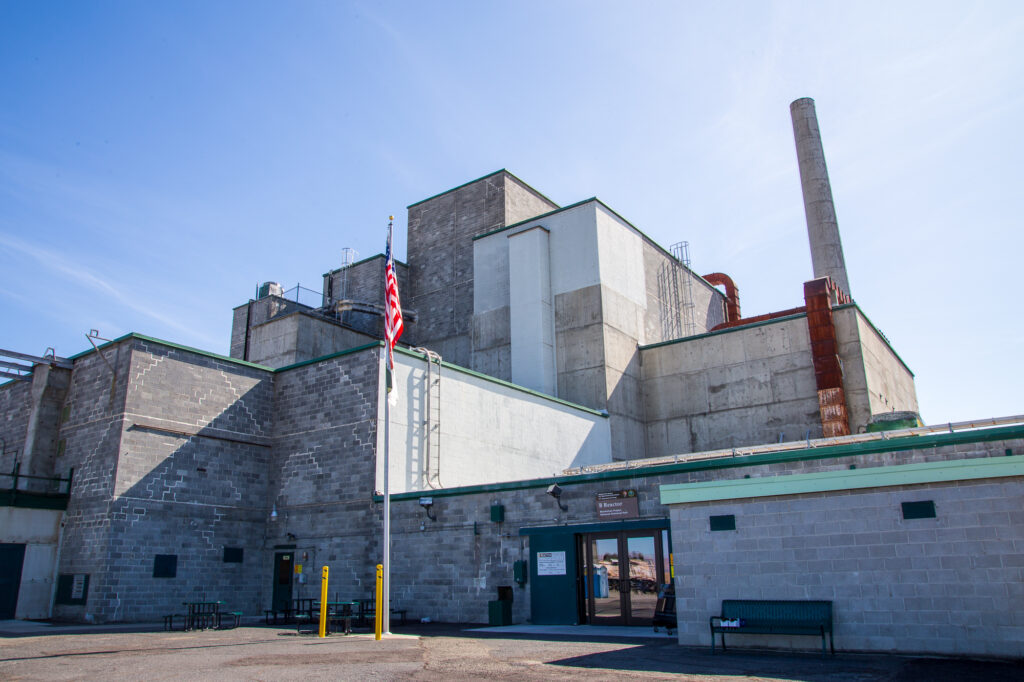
{"x": 434, "y": 652}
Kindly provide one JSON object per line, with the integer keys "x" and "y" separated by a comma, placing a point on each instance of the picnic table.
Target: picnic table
{"x": 337, "y": 612}
{"x": 202, "y": 615}
{"x": 368, "y": 609}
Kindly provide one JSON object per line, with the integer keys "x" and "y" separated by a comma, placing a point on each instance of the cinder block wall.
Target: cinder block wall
{"x": 92, "y": 433}
{"x": 323, "y": 472}
{"x": 450, "y": 568}
{"x": 944, "y": 585}
{"x": 441, "y": 230}
{"x": 176, "y": 464}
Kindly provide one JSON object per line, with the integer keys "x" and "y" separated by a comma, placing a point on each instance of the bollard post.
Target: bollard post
{"x": 377, "y": 621}
{"x": 323, "y": 603}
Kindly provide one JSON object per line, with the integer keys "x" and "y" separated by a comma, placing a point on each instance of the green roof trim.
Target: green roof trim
{"x": 350, "y": 351}
{"x": 535, "y": 218}
{"x": 484, "y": 177}
{"x": 456, "y": 188}
{"x": 615, "y": 213}
{"x": 507, "y": 384}
{"x": 844, "y": 479}
{"x": 178, "y": 346}
{"x": 636, "y": 524}
{"x": 804, "y": 454}
{"x": 762, "y": 323}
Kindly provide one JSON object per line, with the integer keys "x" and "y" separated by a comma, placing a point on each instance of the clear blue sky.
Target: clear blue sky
{"x": 159, "y": 159}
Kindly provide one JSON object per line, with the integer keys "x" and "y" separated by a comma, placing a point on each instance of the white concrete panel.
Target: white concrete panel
{"x": 36, "y": 581}
{"x": 574, "y": 249}
{"x": 490, "y": 273}
{"x": 530, "y": 310}
{"x": 621, "y": 258}
{"x": 489, "y": 431}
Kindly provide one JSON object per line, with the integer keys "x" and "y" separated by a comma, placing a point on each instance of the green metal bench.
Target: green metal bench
{"x": 763, "y": 617}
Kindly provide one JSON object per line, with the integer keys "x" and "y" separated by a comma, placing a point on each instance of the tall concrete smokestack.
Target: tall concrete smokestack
{"x": 822, "y": 228}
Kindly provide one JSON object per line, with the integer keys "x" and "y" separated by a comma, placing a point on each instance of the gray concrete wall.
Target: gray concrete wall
{"x": 875, "y": 379}
{"x": 49, "y": 389}
{"x": 441, "y": 262}
{"x": 300, "y": 336}
{"x": 256, "y": 313}
{"x": 92, "y": 433}
{"x": 743, "y": 386}
{"x": 181, "y": 470}
{"x": 364, "y": 282}
{"x": 323, "y": 470}
{"x": 611, "y": 292}
{"x": 945, "y": 585}
{"x": 665, "y": 314}
{"x": 15, "y": 407}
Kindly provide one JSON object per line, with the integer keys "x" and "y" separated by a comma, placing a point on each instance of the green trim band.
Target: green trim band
{"x": 639, "y": 524}
{"x": 846, "y": 479}
{"x": 502, "y": 382}
{"x": 350, "y": 351}
{"x": 752, "y": 325}
{"x": 178, "y": 346}
{"x": 806, "y": 454}
{"x": 561, "y": 209}
{"x": 616, "y": 214}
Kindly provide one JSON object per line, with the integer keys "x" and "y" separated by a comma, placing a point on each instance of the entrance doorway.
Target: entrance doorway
{"x": 620, "y": 573}
{"x": 12, "y": 556}
{"x": 284, "y": 563}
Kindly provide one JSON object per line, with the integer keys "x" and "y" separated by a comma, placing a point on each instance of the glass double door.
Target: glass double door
{"x": 620, "y": 575}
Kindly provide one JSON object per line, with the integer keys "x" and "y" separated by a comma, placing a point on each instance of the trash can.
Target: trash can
{"x": 499, "y": 612}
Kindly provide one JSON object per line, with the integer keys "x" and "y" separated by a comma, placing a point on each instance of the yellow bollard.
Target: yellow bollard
{"x": 378, "y": 622}
{"x": 323, "y": 603}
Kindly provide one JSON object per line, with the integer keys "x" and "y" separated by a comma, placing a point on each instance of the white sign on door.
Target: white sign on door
{"x": 550, "y": 563}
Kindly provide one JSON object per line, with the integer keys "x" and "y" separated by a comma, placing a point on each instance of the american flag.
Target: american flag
{"x": 392, "y": 305}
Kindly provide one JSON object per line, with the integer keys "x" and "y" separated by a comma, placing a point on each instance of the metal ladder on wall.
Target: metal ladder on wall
{"x": 681, "y": 252}
{"x": 432, "y": 419}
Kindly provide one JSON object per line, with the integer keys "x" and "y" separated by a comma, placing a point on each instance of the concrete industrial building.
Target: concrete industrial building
{"x": 547, "y": 346}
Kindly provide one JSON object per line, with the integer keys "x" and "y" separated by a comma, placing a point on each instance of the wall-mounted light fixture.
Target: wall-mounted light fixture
{"x": 273, "y": 513}
{"x": 555, "y": 491}
{"x": 427, "y": 503}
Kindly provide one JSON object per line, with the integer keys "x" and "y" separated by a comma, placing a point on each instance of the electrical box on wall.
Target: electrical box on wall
{"x": 497, "y": 513}
{"x": 519, "y": 571}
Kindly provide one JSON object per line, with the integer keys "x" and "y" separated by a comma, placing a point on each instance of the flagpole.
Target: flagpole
{"x": 385, "y": 612}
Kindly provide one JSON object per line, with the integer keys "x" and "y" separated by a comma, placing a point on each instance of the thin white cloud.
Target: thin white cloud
{"x": 76, "y": 272}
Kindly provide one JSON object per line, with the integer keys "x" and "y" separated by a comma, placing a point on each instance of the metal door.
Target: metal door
{"x": 284, "y": 565}
{"x": 12, "y": 556}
